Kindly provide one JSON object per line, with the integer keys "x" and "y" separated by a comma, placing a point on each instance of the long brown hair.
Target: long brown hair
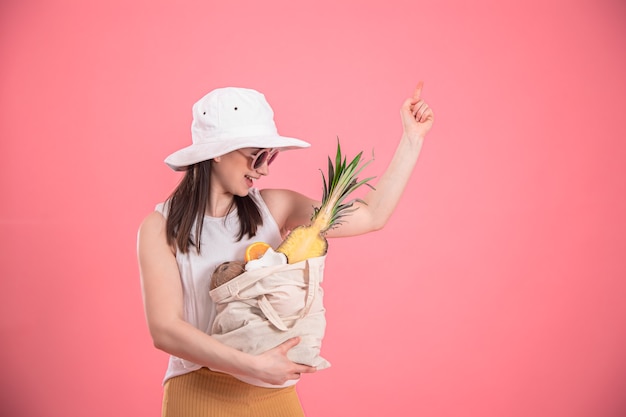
{"x": 188, "y": 204}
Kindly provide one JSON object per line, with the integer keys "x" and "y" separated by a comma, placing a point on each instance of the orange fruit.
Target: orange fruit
{"x": 255, "y": 251}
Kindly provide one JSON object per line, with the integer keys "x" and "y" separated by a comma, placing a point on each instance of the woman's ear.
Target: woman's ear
{"x": 217, "y": 159}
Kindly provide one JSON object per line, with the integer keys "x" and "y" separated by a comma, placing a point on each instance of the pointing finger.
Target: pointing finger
{"x": 418, "y": 91}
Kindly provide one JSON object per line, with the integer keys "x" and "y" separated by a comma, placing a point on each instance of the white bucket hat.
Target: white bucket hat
{"x": 227, "y": 119}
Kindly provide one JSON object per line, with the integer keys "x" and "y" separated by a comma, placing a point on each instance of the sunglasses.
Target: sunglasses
{"x": 264, "y": 155}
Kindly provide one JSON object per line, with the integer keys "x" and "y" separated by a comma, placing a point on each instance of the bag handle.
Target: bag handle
{"x": 272, "y": 315}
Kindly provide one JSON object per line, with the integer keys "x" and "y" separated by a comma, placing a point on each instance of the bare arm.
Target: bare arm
{"x": 292, "y": 209}
{"x": 163, "y": 303}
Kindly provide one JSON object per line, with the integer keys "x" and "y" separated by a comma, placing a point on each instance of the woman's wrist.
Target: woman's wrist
{"x": 243, "y": 364}
{"x": 411, "y": 143}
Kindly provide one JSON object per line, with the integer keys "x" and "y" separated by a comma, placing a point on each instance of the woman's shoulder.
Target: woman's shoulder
{"x": 278, "y": 202}
{"x": 151, "y": 231}
{"x": 288, "y": 207}
{"x": 283, "y": 195}
{"x": 153, "y": 221}
{"x": 273, "y": 196}
{"x": 157, "y": 216}
{"x": 151, "y": 238}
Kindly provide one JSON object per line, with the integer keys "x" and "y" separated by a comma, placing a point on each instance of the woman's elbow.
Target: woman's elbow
{"x": 377, "y": 223}
{"x": 162, "y": 337}
{"x": 159, "y": 343}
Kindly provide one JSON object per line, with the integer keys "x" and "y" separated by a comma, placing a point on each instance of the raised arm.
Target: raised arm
{"x": 163, "y": 303}
{"x": 292, "y": 209}
{"x": 417, "y": 119}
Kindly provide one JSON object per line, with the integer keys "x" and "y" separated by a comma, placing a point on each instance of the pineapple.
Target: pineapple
{"x": 306, "y": 242}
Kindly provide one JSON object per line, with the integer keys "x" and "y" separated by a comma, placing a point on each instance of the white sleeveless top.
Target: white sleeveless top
{"x": 218, "y": 244}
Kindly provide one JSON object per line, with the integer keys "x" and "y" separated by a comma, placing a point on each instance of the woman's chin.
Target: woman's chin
{"x": 243, "y": 192}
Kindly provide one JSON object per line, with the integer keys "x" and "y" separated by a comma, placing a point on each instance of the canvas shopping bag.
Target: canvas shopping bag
{"x": 262, "y": 308}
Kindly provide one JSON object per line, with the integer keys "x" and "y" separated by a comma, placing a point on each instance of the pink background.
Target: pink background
{"x": 497, "y": 288}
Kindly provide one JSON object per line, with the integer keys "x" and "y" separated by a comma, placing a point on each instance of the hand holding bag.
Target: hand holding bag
{"x": 262, "y": 308}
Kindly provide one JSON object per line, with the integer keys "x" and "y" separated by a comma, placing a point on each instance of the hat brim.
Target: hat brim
{"x": 198, "y": 152}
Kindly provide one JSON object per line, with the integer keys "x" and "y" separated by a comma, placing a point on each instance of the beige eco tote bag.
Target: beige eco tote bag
{"x": 262, "y": 308}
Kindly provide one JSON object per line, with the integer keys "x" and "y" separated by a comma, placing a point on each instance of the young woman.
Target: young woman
{"x": 211, "y": 217}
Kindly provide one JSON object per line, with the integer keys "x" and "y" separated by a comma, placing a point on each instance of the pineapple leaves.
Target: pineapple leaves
{"x": 307, "y": 241}
{"x": 341, "y": 180}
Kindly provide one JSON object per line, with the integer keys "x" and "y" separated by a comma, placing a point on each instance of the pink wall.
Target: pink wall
{"x": 497, "y": 289}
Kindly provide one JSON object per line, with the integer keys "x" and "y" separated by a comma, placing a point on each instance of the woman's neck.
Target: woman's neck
{"x": 220, "y": 204}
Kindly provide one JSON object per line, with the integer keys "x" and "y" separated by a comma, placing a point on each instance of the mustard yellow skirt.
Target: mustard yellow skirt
{"x": 205, "y": 393}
